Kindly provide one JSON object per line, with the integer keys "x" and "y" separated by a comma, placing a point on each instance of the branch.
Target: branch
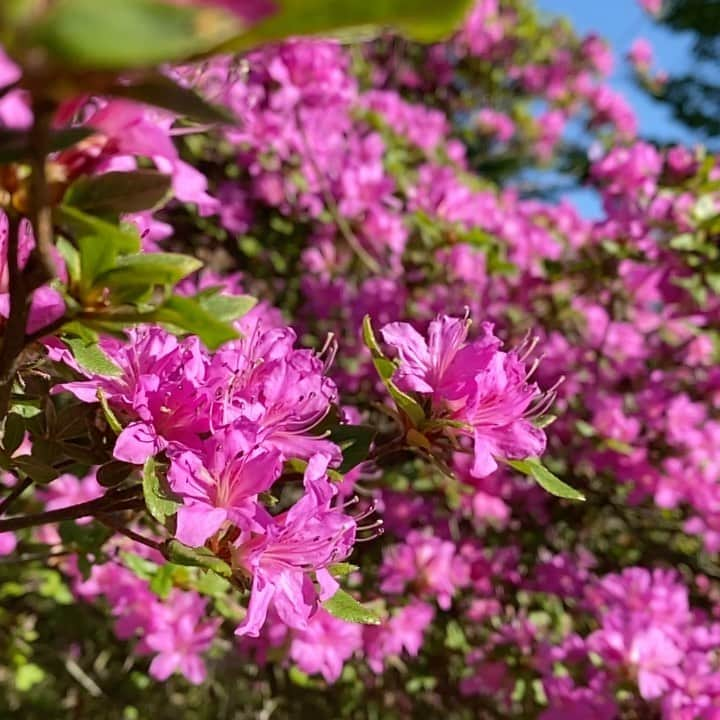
{"x": 14, "y": 334}
{"x": 126, "y": 499}
{"x": 110, "y": 522}
{"x": 41, "y": 265}
{"x": 20, "y": 487}
{"x": 332, "y": 207}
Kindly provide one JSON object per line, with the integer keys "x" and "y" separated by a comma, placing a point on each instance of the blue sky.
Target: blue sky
{"x": 620, "y": 22}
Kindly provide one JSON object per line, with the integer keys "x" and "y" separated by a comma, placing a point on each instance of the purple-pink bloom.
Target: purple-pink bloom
{"x": 220, "y": 481}
{"x": 325, "y": 645}
{"x": 307, "y": 538}
{"x": 180, "y": 637}
{"x": 475, "y": 384}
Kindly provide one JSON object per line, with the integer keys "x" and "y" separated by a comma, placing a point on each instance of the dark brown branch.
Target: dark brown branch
{"x": 110, "y": 522}
{"x": 14, "y": 335}
{"x": 20, "y": 487}
{"x": 126, "y": 499}
{"x": 41, "y": 266}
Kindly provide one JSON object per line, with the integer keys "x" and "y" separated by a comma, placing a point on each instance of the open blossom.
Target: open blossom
{"x": 403, "y": 632}
{"x": 179, "y": 637}
{"x": 284, "y": 391}
{"x": 427, "y": 564}
{"x": 476, "y": 384}
{"x": 161, "y": 390}
{"x": 281, "y": 557}
{"x": 325, "y": 645}
{"x": 220, "y": 482}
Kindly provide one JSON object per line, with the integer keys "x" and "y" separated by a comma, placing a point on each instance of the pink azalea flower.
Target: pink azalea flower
{"x": 426, "y": 563}
{"x": 325, "y": 645}
{"x": 472, "y": 383}
{"x": 8, "y": 543}
{"x": 220, "y": 482}
{"x": 180, "y": 638}
{"x": 305, "y": 539}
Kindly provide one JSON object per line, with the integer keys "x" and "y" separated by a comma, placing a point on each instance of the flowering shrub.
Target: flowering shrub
{"x": 312, "y": 403}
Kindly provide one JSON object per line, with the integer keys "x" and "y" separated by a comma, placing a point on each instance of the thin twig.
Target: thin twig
{"x": 332, "y": 207}
{"x": 18, "y": 560}
{"x": 15, "y": 493}
{"x": 110, "y": 522}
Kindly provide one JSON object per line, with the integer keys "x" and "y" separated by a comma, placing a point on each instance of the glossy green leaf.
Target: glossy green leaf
{"x": 156, "y": 89}
{"x": 113, "y": 193}
{"x": 346, "y": 607}
{"x": 79, "y": 224}
{"x": 543, "y": 477}
{"x": 121, "y": 34}
{"x": 196, "y": 557}
{"x": 96, "y": 257}
{"x": 149, "y": 269}
{"x": 159, "y": 500}
{"x": 424, "y": 20}
{"x": 188, "y": 315}
{"x": 355, "y": 442}
{"x": 14, "y": 433}
{"x": 162, "y": 581}
{"x": 113, "y": 473}
{"x": 91, "y": 357}
{"x": 226, "y": 308}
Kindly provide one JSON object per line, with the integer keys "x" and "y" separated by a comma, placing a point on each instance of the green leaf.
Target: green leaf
{"x": 96, "y": 257}
{"x": 110, "y": 417}
{"x": 121, "y": 34}
{"x": 342, "y": 569}
{"x": 554, "y": 485}
{"x": 27, "y": 676}
{"x": 424, "y": 20}
{"x": 148, "y": 269}
{"x": 38, "y": 471}
{"x": 161, "y": 503}
{"x": 143, "y": 568}
{"x": 354, "y": 441}
{"x": 118, "y": 192}
{"x": 196, "y": 557}
{"x": 162, "y": 581}
{"x": 188, "y": 315}
{"x": 113, "y": 473}
{"x": 71, "y": 257}
{"x": 91, "y": 357}
{"x": 226, "y": 308}
{"x": 15, "y": 145}
{"x": 385, "y": 369}
{"x": 14, "y": 433}
{"x": 345, "y": 607}
{"x": 121, "y": 239}
{"x": 83, "y": 538}
{"x": 211, "y": 584}
{"x": 160, "y": 91}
